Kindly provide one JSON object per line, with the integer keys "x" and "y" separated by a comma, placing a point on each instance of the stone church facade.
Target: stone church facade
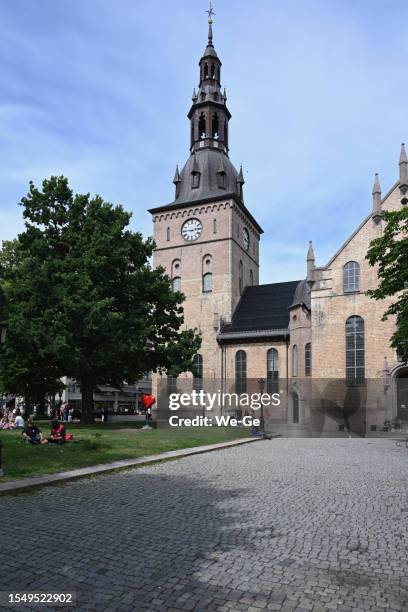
{"x": 313, "y": 339}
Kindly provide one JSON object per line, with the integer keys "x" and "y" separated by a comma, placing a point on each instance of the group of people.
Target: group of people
{"x": 11, "y": 419}
{"x": 65, "y": 412}
{"x": 58, "y": 435}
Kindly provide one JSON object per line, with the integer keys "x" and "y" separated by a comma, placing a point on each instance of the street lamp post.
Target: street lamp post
{"x": 261, "y": 383}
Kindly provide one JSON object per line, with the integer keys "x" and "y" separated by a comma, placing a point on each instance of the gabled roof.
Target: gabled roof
{"x": 350, "y": 238}
{"x": 262, "y": 310}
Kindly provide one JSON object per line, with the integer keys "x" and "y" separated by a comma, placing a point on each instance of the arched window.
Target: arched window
{"x": 240, "y": 372}
{"x": 308, "y": 359}
{"x": 207, "y": 282}
{"x": 206, "y": 70}
{"x": 168, "y": 234}
{"x": 176, "y": 283}
{"x": 272, "y": 371}
{"x": 214, "y": 126}
{"x": 202, "y": 126}
{"x": 294, "y": 360}
{"x": 351, "y": 276}
{"x": 355, "y": 353}
{"x": 213, "y": 71}
{"x": 198, "y": 373}
{"x": 251, "y": 278}
{"x": 240, "y": 278}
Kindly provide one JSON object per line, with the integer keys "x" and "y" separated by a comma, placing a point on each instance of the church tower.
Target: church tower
{"x": 206, "y": 239}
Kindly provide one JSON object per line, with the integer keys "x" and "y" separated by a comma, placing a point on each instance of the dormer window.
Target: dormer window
{"x": 221, "y": 180}
{"x": 195, "y": 180}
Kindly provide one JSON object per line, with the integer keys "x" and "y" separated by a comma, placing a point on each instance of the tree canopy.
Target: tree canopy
{"x": 390, "y": 252}
{"x": 81, "y": 299}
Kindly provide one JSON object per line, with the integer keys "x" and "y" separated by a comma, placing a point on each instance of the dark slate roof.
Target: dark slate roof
{"x": 261, "y": 308}
{"x": 208, "y": 162}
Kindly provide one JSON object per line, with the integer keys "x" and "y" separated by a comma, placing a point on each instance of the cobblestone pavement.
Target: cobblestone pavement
{"x": 286, "y": 524}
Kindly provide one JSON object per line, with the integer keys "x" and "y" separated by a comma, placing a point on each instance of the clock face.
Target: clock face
{"x": 191, "y": 229}
{"x": 245, "y": 238}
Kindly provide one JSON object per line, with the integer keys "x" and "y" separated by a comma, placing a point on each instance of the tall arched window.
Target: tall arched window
{"x": 213, "y": 71}
{"x": 176, "y": 283}
{"x": 206, "y": 70}
{"x": 240, "y": 277}
{"x": 308, "y": 359}
{"x": 351, "y": 276}
{"x": 215, "y": 126}
{"x": 168, "y": 234}
{"x": 272, "y": 371}
{"x": 295, "y": 360}
{"x": 202, "y": 126}
{"x": 198, "y": 373}
{"x": 355, "y": 353}
{"x": 240, "y": 372}
{"x": 207, "y": 282}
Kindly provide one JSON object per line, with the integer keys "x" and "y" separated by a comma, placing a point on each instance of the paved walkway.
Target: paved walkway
{"x": 290, "y": 524}
{"x": 24, "y": 484}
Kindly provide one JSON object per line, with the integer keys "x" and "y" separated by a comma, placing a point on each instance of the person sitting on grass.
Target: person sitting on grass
{"x": 32, "y": 434}
{"x": 57, "y": 432}
{"x": 7, "y": 420}
{"x": 19, "y": 422}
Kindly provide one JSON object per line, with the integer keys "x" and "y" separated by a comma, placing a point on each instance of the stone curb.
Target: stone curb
{"x": 25, "y": 484}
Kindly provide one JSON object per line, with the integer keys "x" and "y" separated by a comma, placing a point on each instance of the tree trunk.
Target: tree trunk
{"x": 40, "y": 409}
{"x": 87, "y": 389}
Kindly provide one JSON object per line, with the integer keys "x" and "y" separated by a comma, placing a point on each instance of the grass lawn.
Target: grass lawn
{"x": 101, "y": 443}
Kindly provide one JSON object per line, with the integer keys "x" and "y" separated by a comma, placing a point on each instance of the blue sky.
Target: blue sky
{"x": 98, "y": 90}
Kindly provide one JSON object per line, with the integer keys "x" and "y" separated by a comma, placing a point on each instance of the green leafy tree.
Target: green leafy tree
{"x": 79, "y": 290}
{"x": 390, "y": 252}
{"x": 31, "y": 371}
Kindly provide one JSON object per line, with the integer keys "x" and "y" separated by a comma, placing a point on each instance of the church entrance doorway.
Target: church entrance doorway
{"x": 295, "y": 408}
